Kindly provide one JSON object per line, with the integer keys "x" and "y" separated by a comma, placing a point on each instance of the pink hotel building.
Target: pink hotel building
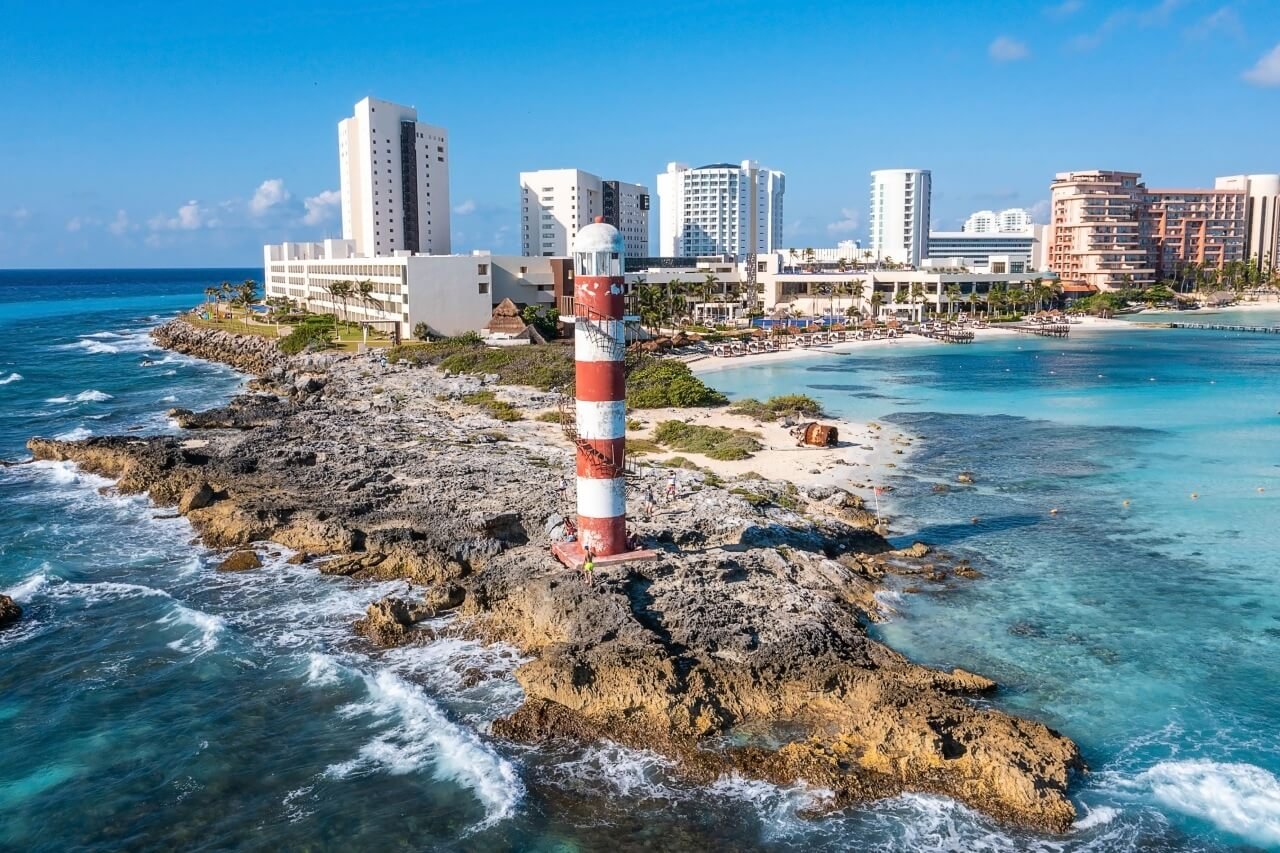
{"x": 1107, "y": 230}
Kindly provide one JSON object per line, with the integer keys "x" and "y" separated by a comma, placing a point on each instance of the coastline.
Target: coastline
{"x": 384, "y": 473}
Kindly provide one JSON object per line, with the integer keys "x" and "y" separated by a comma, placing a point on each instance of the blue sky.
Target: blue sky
{"x": 187, "y": 134}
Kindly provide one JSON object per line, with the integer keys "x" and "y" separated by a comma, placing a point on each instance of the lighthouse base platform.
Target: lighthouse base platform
{"x": 572, "y": 555}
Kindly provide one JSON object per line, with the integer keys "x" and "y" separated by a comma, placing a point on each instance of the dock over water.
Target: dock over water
{"x": 1045, "y": 330}
{"x": 1224, "y": 327}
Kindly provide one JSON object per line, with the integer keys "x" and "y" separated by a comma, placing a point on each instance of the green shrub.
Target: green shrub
{"x": 713, "y": 442}
{"x": 786, "y": 405}
{"x": 497, "y": 409}
{"x": 643, "y": 445}
{"x": 550, "y": 416}
{"x": 663, "y": 383}
{"x": 306, "y": 337}
{"x": 543, "y": 367}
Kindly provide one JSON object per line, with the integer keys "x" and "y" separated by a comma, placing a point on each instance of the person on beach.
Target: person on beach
{"x": 570, "y": 530}
{"x": 589, "y": 566}
{"x": 671, "y": 487}
{"x": 648, "y": 502}
{"x": 564, "y": 486}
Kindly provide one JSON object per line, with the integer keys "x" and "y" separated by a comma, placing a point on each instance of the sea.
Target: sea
{"x": 147, "y": 701}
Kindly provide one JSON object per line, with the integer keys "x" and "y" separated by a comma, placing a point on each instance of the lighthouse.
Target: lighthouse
{"x": 600, "y": 404}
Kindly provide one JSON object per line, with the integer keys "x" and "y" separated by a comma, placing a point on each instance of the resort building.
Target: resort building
{"x": 1013, "y": 220}
{"x": 977, "y": 248}
{"x": 845, "y": 252}
{"x": 900, "y": 200}
{"x": 394, "y": 172}
{"x": 1095, "y": 231}
{"x": 1205, "y": 227}
{"x": 451, "y": 294}
{"x": 556, "y": 203}
{"x": 720, "y": 209}
{"x": 1261, "y": 218}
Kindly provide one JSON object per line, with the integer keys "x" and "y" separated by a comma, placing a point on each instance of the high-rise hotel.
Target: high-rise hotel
{"x": 720, "y": 209}
{"x": 900, "y": 200}
{"x": 395, "y": 181}
{"x": 556, "y": 203}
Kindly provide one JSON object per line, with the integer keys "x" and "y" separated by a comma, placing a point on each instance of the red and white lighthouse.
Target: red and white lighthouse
{"x": 600, "y": 407}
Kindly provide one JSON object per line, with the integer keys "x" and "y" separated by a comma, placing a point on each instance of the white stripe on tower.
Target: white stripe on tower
{"x": 605, "y": 419}
{"x": 602, "y": 498}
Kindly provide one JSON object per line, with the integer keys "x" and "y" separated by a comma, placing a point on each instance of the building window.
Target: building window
{"x": 483, "y": 287}
{"x": 482, "y": 269}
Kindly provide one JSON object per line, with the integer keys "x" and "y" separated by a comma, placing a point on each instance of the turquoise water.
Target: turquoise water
{"x": 148, "y": 702}
{"x": 1149, "y": 632}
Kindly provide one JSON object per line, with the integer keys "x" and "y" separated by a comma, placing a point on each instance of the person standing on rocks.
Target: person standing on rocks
{"x": 648, "y": 502}
{"x": 671, "y": 487}
{"x": 589, "y": 566}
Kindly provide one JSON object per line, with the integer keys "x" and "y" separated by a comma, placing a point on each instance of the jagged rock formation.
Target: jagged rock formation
{"x": 250, "y": 353}
{"x": 10, "y": 612}
{"x": 749, "y": 627}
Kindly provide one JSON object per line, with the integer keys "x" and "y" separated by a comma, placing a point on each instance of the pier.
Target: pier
{"x": 1223, "y": 327}
{"x": 950, "y": 336}
{"x": 1044, "y": 330}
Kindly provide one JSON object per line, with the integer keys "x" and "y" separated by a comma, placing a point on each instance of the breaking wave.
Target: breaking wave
{"x": 1237, "y": 798}
{"x": 12, "y": 377}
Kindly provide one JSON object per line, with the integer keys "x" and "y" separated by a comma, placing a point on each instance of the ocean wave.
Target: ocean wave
{"x": 26, "y": 589}
{"x": 422, "y": 735}
{"x": 101, "y": 335}
{"x": 90, "y": 396}
{"x": 12, "y": 377}
{"x": 109, "y": 343}
{"x": 206, "y": 627}
{"x": 616, "y": 770}
{"x": 1095, "y": 817}
{"x": 323, "y": 670}
{"x": 99, "y": 591}
{"x": 778, "y": 808}
{"x": 172, "y": 398}
{"x": 77, "y": 434}
{"x": 1241, "y": 799}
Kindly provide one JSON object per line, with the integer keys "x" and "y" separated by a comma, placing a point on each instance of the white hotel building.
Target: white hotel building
{"x": 556, "y": 203}
{"x": 900, "y": 200}
{"x": 395, "y": 181}
{"x": 721, "y": 209}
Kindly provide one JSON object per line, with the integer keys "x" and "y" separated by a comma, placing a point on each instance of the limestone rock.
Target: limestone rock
{"x": 240, "y": 561}
{"x": 10, "y": 612}
{"x": 198, "y": 496}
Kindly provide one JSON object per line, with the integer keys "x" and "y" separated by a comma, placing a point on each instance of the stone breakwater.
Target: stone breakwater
{"x": 249, "y": 353}
{"x": 747, "y": 632}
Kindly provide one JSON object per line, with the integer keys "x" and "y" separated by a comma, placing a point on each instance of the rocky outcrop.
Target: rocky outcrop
{"x": 752, "y": 619}
{"x": 250, "y": 353}
{"x": 241, "y": 561}
{"x": 10, "y": 612}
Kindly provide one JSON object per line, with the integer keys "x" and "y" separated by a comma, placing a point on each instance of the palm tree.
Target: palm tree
{"x": 810, "y": 256}
{"x": 792, "y": 254}
{"x": 224, "y": 292}
{"x": 210, "y": 293}
{"x": 917, "y": 294}
{"x": 877, "y": 299}
{"x": 247, "y": 293}
{"x": 953, "y": 296}
{"x": 857, "y": 289}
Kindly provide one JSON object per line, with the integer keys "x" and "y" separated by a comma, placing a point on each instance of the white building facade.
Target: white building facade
{"x": 720, "y": 209}
{"x": 556, "y": 203}
{"x": 976, "y": 248}
{"x": 1013, "y": 220}
{"x": 395, "y": 181}
{"x": 452, "y": 294}
{"x": 1262, "y": 216}
{"x": 900, "y": 208}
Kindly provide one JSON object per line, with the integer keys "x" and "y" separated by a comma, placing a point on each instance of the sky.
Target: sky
{"x": 139, "y": 134}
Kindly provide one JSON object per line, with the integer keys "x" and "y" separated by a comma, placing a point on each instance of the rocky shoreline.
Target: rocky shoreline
{"x": 741, "y": 649}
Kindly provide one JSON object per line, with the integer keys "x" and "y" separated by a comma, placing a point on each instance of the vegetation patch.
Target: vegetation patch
{"x": 306, "y": 338}
{"x": 713, "y": 442}
{"x": 664, "y": 383}
{"x": 550, "y": 416}
{"x": 543, "y": 367}
{"x": 643, "y": 445}
{"x": 495, "y": 408}
{"x": 786, "y": 405}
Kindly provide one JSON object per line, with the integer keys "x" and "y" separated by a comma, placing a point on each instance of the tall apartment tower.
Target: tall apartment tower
{"x": 1096, "y": 230}
{"x": 556, "y": 203}
{"x": 1262, "y": 216}
{"x": 900, "y": 201}
{"x": 395, "y": 181}
{"x": 1200, "y": 226}
{"x": 720, "y": 209}
{"x": 1015, "y": 220}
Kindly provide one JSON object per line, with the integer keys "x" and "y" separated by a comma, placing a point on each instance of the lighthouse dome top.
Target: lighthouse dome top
{"x": 598, "y": 237}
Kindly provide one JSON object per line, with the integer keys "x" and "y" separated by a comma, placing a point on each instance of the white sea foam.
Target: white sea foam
{"x": 172, "y": 398}
{"x": 203, "y": 638}
{"x": 421, "y": 735}
{"x": 618, "y": 771}
{"x": 1237, "y": 798}
{"x": 73, "y": 435}
{"x": 12, "y": 377}
{"x": 323, "y": 670}
{"x": 103, "y": 335}
{"x": 90, "y": 396}
{"x": 1096, "y": 816}
{"x": 99, "y": 591}
{"x": 27, "y": 589}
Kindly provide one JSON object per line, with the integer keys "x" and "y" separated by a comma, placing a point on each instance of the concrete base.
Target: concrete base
{"x": 572, "y": 555}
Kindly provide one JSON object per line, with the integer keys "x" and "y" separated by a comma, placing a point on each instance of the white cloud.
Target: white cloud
{"x": 1267, "y": 70}
{"x": 1065, "y": 9}
{"x": 190, "y": 217}
{"x": 849, "y": 223}
{"x": 321, "y": 207}
{"x": 1126, "y": 17}
{"x": 468, "y": 206}
{"x": 74, "y": 224}
{"x": 1005, "y": 49}
{"x": 1224, "y": 21}
{"x": 120, "y": 224}
{"x": 1040, "y": 211}
{"x": 270, "y": 193}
